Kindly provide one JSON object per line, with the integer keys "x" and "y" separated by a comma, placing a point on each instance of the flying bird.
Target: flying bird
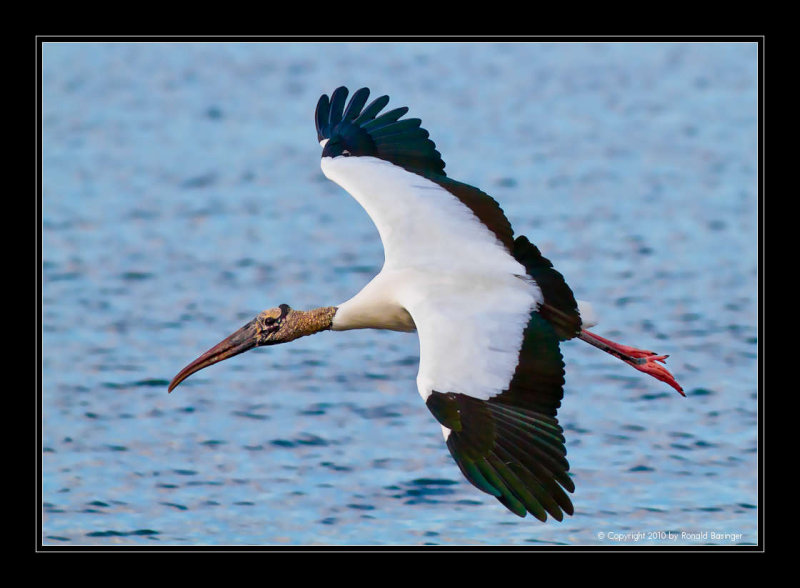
{"x": 489, "y": 309}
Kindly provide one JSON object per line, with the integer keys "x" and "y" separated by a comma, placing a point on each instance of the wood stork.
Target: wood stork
{"x": 489, "y": 309}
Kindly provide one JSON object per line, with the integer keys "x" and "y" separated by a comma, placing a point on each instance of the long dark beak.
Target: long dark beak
{"x": 242, "y": 340}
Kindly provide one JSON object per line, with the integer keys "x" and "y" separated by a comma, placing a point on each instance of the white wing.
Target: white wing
{"x": 447, "y": 270}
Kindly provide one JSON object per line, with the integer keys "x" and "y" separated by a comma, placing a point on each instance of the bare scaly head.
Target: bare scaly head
{"x": 270, "y": 327}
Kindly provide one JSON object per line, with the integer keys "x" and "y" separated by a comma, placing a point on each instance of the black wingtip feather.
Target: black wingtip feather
{"x": 387, "y": 118}
{"x": 337, "y": 105}
{"x": 356, "y": 104}
{"x": 321, "y": 116}
{"x": 372, "y": 110}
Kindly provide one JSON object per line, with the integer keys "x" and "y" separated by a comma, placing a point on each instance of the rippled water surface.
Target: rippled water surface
{"x": 182, "y": 194}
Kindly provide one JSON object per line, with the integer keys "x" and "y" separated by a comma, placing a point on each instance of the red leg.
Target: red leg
{"x": 641, "y": 359}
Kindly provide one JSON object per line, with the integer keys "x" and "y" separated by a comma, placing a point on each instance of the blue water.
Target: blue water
{"x": 182, "y": 195}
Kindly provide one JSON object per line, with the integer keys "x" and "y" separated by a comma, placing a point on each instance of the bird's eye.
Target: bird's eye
{"x": 269, "y": 321}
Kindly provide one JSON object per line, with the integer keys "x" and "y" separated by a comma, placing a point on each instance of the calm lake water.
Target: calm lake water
{"x": 182, "y": 194}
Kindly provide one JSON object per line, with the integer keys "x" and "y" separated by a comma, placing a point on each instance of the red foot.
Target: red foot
{"x": 659, "y": 372}
{"x": 641, "y": 359}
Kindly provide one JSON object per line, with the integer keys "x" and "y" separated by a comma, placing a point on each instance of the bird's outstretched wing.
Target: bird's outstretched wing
{"x": 492, "y": 374}
{"x": 511, "y": 445}
{"x": 490, "y": 310}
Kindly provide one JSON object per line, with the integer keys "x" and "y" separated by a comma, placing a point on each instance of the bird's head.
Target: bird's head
{"x": 270, "y": 327}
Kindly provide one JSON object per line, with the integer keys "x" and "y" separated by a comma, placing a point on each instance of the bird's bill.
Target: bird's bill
{"x": 242, "y": 340}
